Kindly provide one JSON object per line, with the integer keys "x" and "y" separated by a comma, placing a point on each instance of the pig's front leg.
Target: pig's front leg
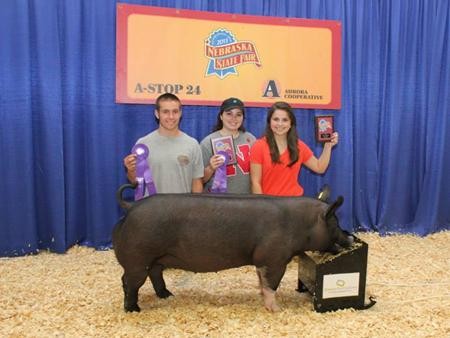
{"x": 156, "y": 277}
{"x": 270, "y": 279}
{"x": 258, "y": 273}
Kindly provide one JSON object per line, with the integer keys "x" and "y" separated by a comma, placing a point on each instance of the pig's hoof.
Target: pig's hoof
{"x": 273, "y": 307}
{"x": 164, "y": 293}
{"x": 132, "y": 308}
{"x": 269, "y": 300}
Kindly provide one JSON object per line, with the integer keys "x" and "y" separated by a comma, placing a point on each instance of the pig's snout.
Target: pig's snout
{"x": 350, "y": 240}
{"x": 346, "y": 241}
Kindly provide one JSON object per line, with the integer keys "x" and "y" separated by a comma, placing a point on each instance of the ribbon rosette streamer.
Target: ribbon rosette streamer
{"x": 219, "y": 184}
{"x": 143, "y": 172}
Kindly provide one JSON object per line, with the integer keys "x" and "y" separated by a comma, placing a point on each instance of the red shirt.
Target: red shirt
{"x": 277, "y": 178}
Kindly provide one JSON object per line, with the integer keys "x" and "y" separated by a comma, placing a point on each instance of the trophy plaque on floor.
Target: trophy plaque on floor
{"x": 335, "y": 281}
{"x": 324, "y": 127}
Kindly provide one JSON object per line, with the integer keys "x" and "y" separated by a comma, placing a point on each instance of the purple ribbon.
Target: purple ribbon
{"x": 219, "y": 184}
{"x": 143, "y": 172}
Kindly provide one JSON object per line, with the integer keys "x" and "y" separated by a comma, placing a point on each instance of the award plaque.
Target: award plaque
{"x": 335, "y": 281}
{"x": 224, "y": 144}
{"x": 324, "y": 127}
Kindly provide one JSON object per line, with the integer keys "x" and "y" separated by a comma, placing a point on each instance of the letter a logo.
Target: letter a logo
{"x": 271, "y": 89}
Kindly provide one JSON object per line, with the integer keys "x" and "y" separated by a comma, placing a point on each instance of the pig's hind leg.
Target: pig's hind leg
{"x": 131, "y": 282}
{"x": 156, "y": 277}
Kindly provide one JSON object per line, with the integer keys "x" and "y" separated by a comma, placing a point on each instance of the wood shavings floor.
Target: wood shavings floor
{"x": 79, "y": 294}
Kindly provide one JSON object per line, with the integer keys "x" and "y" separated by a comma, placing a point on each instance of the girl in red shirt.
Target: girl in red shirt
{"x": 276, "y": 159}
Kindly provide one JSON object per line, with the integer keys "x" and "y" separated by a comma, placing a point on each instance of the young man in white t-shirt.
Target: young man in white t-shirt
{"x": 175, "y": 158}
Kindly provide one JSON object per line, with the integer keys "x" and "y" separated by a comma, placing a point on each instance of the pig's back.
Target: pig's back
{"x": 204, "y": 232}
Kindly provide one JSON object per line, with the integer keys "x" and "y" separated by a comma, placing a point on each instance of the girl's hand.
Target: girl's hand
{"x": 216, "y": 161}
{"x": 334, "y": 139}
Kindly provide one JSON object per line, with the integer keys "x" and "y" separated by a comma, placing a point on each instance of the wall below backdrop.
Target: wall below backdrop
{"x": 63, "y": 137}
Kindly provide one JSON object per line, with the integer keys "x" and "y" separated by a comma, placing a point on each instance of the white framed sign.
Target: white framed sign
{"x": 340, "y": 285}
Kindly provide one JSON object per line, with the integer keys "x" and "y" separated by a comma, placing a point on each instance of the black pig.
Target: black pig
{"x": 206, "y": 233}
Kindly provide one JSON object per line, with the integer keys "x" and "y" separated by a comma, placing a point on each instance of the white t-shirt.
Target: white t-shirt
{"x": 174, "y": 161}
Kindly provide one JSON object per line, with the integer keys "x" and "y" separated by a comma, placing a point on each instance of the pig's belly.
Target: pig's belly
{"x": 208, "y": 262}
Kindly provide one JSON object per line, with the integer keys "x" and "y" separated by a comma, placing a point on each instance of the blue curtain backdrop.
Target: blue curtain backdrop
{"x": 62, "y": 137}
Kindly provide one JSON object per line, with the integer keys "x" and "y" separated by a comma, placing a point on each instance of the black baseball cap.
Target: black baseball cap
{"x": 231, "y": 103}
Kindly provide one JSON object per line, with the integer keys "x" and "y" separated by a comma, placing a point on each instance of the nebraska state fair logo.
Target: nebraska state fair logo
{"x": 225, "y": 53}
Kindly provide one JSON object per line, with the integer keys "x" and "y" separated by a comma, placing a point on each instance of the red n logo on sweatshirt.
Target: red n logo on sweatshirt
{"x": 243, "y": 160}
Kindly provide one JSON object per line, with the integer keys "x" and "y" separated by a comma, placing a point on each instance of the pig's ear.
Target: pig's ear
{"x": 333, "y": 207}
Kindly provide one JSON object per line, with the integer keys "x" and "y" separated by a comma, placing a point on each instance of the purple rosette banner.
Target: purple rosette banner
{"x": 144, "y": 177}
{"x": 219, "y": 184}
